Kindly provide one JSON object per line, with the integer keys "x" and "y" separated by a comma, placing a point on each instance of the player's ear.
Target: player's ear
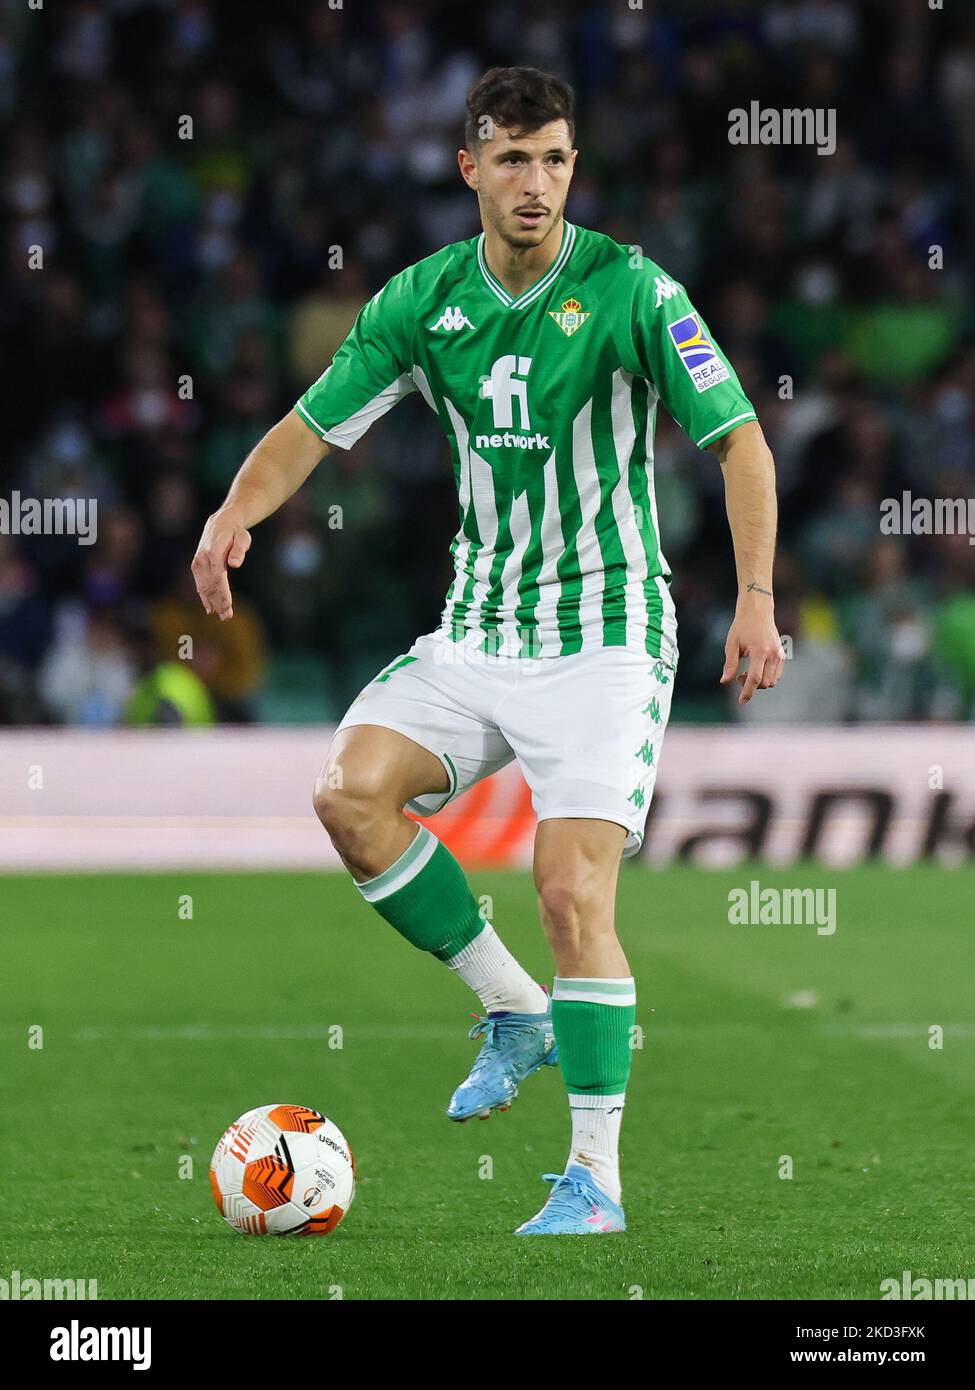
{"x": 468, "y": 167}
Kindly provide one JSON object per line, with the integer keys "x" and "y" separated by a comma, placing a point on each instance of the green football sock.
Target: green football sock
{"x": 426, "y": 897}
{"x": 593, "y": 1021}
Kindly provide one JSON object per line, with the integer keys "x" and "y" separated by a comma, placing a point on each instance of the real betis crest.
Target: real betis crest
{"x": 570, "y": 319}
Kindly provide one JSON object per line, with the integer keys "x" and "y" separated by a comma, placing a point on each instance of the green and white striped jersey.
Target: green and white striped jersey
{"x": 548, "y": 401}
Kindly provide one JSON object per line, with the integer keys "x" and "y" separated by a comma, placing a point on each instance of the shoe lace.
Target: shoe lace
{"x": 499, "y": 1030}
{"x": 484, "y": 1028}
{"x": 560, "y": 1198}
{"x": 495, "y": 1033}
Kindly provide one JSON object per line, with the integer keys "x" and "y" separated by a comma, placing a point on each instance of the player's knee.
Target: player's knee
{"x": 563, "y": 901}
{"x": 574, "y": 915}
{"x": 348, "y": 809}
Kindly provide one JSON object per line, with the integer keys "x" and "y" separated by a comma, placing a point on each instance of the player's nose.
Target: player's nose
{"x": 534, "y": 182}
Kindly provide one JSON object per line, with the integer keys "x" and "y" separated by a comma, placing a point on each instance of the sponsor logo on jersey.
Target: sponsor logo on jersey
{"x": 665, "y": 287}
{"x": 506, "y": 386}
{"x": 508, "y": 440}
{"x": 452, "y": 318}
{"x": 571, "y": 319}
{"x": 697, "y": 352}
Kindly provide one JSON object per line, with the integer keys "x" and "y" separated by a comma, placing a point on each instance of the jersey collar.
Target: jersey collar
{"x": 540, "y": 286}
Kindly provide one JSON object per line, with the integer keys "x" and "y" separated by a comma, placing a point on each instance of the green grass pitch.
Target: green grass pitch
{"x": 760, "y": 1041}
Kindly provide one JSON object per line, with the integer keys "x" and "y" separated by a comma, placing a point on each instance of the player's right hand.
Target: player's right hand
{"x": 223, "y": 545}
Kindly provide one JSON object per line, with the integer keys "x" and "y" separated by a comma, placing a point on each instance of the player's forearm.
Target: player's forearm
{"x": 749, "y": 474}
{"x": 273, "y": 471}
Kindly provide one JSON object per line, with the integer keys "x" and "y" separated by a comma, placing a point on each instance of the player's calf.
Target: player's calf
{"x": 576, "y": 865}
{"x": 593, "y": 1010}
{"x": 413, "y": 881}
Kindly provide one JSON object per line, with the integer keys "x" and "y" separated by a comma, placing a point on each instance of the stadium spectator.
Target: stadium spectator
{"x": 196, "y": 277}
{"x": 228, "y": 657}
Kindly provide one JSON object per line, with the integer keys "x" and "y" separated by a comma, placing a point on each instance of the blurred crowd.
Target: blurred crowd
{"x": 215, "y": 190}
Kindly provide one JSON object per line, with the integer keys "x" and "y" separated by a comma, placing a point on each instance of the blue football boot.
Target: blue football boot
{"x": 514, "y": 1046}
{"x": 575, "y": 1207}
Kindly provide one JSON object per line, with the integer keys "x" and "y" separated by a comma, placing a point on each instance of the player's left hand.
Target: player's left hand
{"x": 753, "y": 634}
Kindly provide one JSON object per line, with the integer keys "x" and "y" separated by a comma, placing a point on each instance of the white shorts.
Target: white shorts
{"x": 587, "y": 729}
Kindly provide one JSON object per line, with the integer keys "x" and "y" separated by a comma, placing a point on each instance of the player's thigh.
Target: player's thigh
{"x": 441, "y": 704}
{"x": 576, "y": 863}
{"x": 588, "y": 732}
{"x": 373, "y": 762}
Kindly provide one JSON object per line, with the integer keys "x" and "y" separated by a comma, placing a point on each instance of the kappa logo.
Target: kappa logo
{"x": 452, "y": 318}
{"x": 665, "y": 287}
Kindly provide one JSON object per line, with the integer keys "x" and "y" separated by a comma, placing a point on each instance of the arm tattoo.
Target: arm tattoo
{"x": 758, "y": 589}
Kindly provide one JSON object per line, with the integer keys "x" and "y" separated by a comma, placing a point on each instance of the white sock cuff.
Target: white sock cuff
{"x": 415, "y": 857}
{"x": 620, "y": 991}
{"x": 579, "y": 1101}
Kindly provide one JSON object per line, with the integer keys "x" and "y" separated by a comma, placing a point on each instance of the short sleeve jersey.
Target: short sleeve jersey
{"x": 548, "y": 400}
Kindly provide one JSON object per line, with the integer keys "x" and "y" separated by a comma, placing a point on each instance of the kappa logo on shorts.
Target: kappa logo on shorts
{"x": 697, "y": 352}
{"x": 653, "y": 709}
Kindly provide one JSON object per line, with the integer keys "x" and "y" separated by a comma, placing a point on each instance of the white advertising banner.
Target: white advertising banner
{"x": 240, "y": 798}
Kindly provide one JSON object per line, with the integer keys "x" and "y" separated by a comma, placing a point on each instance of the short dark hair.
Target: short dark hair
{"x": 521, "y": 100}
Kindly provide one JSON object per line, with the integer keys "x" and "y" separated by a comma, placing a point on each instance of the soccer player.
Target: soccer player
{"x": 544, "y": 349}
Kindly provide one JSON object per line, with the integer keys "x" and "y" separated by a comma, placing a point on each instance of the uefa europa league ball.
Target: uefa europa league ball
{"x": 283, "y": 1170}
